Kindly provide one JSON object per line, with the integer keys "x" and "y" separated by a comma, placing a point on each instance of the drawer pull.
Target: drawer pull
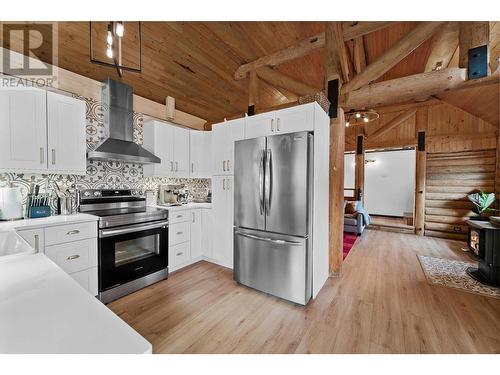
{"x": 72, "y": 257}
{"x": 37, "y": 243}
{"x": 178, "y": 216}
{"x": 178, "y": 254}
{"x": 71, "y": 232}
{"x": 179, "y": 233}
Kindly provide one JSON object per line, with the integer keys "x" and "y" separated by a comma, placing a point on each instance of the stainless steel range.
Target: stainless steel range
{"x": 133, "y": 241}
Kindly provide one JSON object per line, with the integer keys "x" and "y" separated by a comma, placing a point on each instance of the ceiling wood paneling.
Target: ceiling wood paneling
{"x": 195, "y": 62}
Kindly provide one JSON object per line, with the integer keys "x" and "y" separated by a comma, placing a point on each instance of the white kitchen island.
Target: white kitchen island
{"x": 43, "y": 310}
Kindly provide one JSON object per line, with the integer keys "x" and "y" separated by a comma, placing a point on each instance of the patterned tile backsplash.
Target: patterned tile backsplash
{"x": 106, "y": 174}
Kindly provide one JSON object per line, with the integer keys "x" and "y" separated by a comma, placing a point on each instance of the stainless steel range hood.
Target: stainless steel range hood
{"x": 117, "y": 101}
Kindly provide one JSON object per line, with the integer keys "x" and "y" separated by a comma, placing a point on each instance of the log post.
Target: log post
{"x": 420, "y": 170}
{"x": 333, "y": 79}
{"x": 359, "y": 172}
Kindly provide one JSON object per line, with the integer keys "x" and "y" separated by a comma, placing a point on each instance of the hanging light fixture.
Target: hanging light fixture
{"x": 360, "y": 117}
{"x": 109, "y": 42}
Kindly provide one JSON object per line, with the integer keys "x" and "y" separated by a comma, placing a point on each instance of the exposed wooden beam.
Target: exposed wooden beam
{"x": 253, "y": 89}
{"x": 413, "y": 88}
{"x": 352, "y": 30}
{"x": 394, "y": 55}
{"x": 343, "y": 58}
{"x": 359, "y": 55}
{"x": 337, "y": 147}
{"x": 471, "y": 35}
{"x": 406, "y": 105}
{"x": 279, "y": 79}
{"x": 444, "y": 44}
{"x": 421, "y": 120}
{"x": 293, "y": 52}
{"x": 396, "y": 121}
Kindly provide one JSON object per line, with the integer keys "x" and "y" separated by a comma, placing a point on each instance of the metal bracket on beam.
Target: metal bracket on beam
{"x": 421, "y": 141}
{"x": 333, "y": 97}
{"x": 251, "y": 110}
{"x": 478, "y": 62}
{"x": 359, "y": 145}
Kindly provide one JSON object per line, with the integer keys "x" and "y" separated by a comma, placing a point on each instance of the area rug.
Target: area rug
{"x": 451, "y": 274}
{"x": 349, "y": 241}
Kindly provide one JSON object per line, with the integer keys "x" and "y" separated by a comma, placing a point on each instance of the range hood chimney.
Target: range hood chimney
{"x": 117, "y": 101}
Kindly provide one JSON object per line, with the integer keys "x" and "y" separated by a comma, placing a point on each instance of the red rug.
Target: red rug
{"x": 349, "y": 241}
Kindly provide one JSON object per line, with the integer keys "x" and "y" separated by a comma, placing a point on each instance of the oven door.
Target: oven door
{"x": 130, "y": 252}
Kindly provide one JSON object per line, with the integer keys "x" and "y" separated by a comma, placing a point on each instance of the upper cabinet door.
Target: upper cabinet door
{"x": 66, "y": 134}
{"x": 260, "y": 125}
{"x": 236, "y": 132}
{"x": 219, "y": 144}
{"x": 158, "y": 139}
{"x": 200, "y": 154}
{"x": 23, "y": 130}
{"x": 181, "y": 152}
{"x": 295, "y": 119}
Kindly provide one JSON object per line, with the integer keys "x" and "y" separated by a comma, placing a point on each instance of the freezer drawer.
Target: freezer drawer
{"x": 275, "y": 264}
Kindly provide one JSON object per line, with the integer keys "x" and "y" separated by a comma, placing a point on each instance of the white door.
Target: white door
{"x": 260, "y": 125}
{"x": 158, "y": 139}
{"x": 200, "y": 151}
{"x": 207, "y": 232}
{"x": 219, "y": 144}
{"x": 23, "y": 130}
{"x": 35, "y": 238}
{"x": 219, "y": 212}
{"x": 66, "y": 133}
{"x": 196, "y": 234}
{"x": 295, "y": 119}
{"x": 181, "y": 152}
{"x": 227, "y": 257}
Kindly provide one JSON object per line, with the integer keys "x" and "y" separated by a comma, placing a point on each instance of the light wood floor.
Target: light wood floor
{"x": 381, "y": 304}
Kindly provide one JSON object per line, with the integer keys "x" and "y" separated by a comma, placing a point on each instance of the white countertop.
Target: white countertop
{"x": 43, "y": 310}
{"x": 189, "y": 206}
{"x": 47, "y": 221}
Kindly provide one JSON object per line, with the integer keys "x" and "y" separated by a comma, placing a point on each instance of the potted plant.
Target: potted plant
{"x": 482, "y": 202}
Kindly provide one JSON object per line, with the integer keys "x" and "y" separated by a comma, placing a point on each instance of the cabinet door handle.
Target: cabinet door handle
{"x": 224, "y": 184}
{"x": 178, "y": 216}
{"x": 53, "y": 156}
{"x": 228, "y": 184}
{"x": 71, "y": 232}
{"x": 192, "y": 213}
{"x": 179, "y": 254}
{"x": 272, "y": 125}
{"x": 176, "y": 167}
{"x": 171, "y": 166}
{"x": 179, "y": 233}
{"x": 72, "y": 257}
{"x": 37, "y": 243}
{"x": 278, "y": 124}
{"x": 192, "y": 167}
{"x": 224, "y": 165}
{"x": 42, "y": 156}
{"x": 228, "y": 167}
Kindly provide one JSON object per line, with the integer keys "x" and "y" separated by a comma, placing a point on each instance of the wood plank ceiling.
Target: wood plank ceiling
{"x": 194, "y": 62}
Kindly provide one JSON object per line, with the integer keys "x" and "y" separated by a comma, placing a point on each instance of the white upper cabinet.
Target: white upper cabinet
{"x": 66, "y": 134}
{"x": 23, "y": 130}
{"x": 158, "y": 140}
{"x": 200, "y": 146}
{"x": 42, "y": 132}
{"x": 180, "y": 148}
{"x": 223, "y": 137}
{"x": 260, "y": 125}
{"x": 295, "y": 119}
{"x": 288, "y": 120}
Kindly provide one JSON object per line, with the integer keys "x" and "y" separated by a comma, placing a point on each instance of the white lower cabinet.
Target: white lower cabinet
{"x": 189, "y": 237}
{"x": 34, "y": 237}
{"x": 73, "y": 247}
{"x": 223, "y": 203}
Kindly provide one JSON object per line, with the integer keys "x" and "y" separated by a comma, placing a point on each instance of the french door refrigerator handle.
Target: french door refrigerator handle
{"x": 261, "y": 181}
{"x": 268, "y": 182}
{"x": 279, "y": 242}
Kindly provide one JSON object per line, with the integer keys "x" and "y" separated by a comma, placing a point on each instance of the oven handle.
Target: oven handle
{"x": 103, "y": 233}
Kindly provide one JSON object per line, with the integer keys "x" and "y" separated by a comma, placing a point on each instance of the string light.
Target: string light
{"x": 119, "y": 29}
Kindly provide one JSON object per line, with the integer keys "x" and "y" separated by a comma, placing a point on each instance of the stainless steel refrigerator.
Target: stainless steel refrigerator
{"x": 273, "y": 215}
